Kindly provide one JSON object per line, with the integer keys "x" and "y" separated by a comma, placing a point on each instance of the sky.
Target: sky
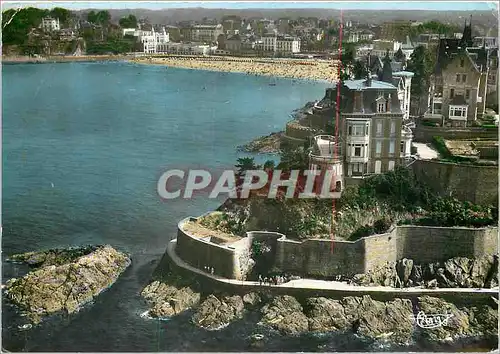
{"x": 351, "y": 5}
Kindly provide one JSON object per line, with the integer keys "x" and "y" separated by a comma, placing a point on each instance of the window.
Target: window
{"x": 378, "y": 166}
{"x": 380, "y": 107}
{"x": 379, "y": 127}
{"x": 357, "y": 151}
{"x": 402, "y": 147}
{"x": 452, "y": 93}
{"x": 467, "y": 94}
{"x": 462, "y": 63}
{"x": 458, "y": 77}
{"x": 367, "y": 131}
{"x": 378, "y": 147}
{"x": 458, "y": 111}
{"x": 391, "y": 165}
{"x": 391, "y": 147}
{"x": 464, "y": 78}
{"x": 350, "y": 130}
{"x": 393, "y": 127}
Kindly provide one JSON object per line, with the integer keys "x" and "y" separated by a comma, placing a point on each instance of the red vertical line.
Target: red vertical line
{"x": 337, "y": 114}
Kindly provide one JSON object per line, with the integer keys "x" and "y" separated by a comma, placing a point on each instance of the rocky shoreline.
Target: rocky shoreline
{"x": 393, "y": 322}
{"x": 317, "y": 70}
{"x": 64, "y": 280}
{"x": 458, "y": 272}
{"x": 268, "y": 144}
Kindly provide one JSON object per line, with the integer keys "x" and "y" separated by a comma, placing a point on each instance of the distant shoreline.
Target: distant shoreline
{"x": 62, "y": 59}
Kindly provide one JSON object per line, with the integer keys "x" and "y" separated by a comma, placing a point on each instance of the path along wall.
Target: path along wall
{"x": 477, "y": 184}
{"x": 425, "y": 134}
{"x": 324, "y": 258}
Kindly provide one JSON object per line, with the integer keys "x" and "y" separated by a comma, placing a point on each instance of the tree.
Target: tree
{"x": 359, "y": 70}
{"x": 103, "y": 17}
{"x": 62, "y": 14}
{"x": 421, "y": 63}
{"x": 245, "y": 164}
{"x": 294, "y": 159}
{"x": 92, "y": 17}
{"x": 17, "y": 24}
{"x": 129, "y": 21}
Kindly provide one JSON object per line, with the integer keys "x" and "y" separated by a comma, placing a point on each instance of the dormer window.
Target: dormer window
{"x": 381, "y": 105}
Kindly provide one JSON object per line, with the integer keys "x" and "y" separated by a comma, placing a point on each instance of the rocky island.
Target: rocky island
{"x": 64, "y": 280}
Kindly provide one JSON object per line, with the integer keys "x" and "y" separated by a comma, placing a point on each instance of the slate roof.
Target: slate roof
{"x": 370, "y": 95}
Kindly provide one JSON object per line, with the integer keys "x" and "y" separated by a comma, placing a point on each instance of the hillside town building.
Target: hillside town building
{"x": 459, "y": 85}
{"x": 154, "y": 41}
{"x": 50, "y": 24}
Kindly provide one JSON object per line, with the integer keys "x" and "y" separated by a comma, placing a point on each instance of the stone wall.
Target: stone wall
{"x": 474, "y": 183}
{"x": 424, "y": 133}
{"x": 200, "y": 253}
{"x": 380, "y": 249}
{"x": 317, "y": 258}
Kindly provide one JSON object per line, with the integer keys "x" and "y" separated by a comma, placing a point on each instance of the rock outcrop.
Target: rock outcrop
{"x": 264, "y": 144}
{"x": 284, "y": 313}
{"x": 458, "y": 272}
{"x": 393, "y": 321}
{"x": 167, "y": 300}
{"x": 64, "y": 280}
{"x": 214, "y": 313}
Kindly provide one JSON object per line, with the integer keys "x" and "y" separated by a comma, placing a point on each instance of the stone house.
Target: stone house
{"x": 233, "y": 43}
{"x": 373, "y": 136}
{"x": 457, "y": 94}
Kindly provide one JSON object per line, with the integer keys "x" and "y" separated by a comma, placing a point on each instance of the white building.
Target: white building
{"x": 326, "y": 155}
{"x": 185, "y": 48}
{"x": 50, "y": 24}
{"x": 488, "y": 42}
{"x": 403, "y": 80}
{"x": 206, "y": 33}
{"x": 152, "y": 40}
{"x": 131, "y": 32}
{"x": 280, "y": 44}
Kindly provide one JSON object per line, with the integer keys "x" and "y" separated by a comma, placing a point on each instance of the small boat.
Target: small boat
{"x": 272, "y": 84}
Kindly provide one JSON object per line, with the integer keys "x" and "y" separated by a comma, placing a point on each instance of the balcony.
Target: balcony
{"x": 357, "y": 159}
{"x": 325, "y": 150}
{"x": 358, "y": 139}
{"x": 437, "y": 99}
{"x": 326, "y": 155}
{"x": 406, "y": 133}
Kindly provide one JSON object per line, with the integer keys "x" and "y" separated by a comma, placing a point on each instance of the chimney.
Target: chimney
{"x": 357, "y": 101}
{"x": 361, "y": 102}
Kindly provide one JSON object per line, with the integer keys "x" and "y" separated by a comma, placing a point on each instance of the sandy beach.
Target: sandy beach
{"x": 310, "y": 69}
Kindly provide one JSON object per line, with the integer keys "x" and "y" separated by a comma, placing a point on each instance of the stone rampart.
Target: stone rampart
{"x": 474, "y": 183}
{"x": 325, "y": 258}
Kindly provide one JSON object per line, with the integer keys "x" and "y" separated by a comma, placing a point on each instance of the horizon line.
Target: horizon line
{"x": 440, "y": 6}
